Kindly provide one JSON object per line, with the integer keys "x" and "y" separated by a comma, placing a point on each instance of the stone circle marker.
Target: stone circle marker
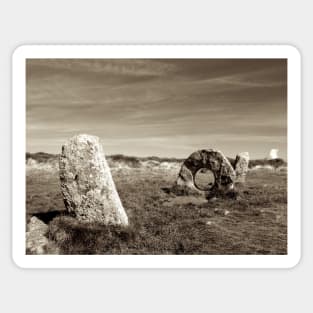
{"x": 87, "y": 184}
{"x": 241, "y": 166}
{"x": 212, "y": 160}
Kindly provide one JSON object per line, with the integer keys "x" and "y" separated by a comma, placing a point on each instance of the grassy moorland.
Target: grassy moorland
{"x": 163, "y": 223}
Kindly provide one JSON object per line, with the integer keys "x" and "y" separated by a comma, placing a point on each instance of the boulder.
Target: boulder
{"x": 36, "y": 241}
{"x": 242, "y": 166}
{"x": 213, "y": 160}
{"x": 87, "y": 184}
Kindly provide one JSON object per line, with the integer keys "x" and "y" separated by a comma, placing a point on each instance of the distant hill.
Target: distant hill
{"x": 41, "y": 157}
{"x": 120, "y": 160}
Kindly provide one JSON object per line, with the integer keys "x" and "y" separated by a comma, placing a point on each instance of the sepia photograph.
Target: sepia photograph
{"x": 156, "y": 156}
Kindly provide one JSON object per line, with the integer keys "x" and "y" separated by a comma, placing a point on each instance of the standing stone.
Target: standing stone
{"x": 213, "y": 160}
{"x": 241, "y": 166}
{"x": 86, "y": 182}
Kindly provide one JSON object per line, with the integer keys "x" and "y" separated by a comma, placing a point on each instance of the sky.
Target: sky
{"x": 159, "y": 107}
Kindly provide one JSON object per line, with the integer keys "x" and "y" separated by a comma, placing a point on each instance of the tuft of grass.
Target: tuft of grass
{"x": 74, "y": 237}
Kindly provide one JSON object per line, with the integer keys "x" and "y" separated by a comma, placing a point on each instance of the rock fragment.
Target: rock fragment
{"x": 36, "y": 241}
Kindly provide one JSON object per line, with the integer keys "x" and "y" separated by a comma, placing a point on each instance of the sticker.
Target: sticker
{"x": 156, "y": 156}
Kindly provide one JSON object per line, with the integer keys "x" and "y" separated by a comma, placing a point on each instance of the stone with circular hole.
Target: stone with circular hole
{"x": 207, "y": 171}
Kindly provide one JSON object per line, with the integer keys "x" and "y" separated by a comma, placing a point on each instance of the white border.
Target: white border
{"x": 156, "y": 51}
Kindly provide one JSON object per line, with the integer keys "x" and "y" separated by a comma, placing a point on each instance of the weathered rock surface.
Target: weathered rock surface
{"x": 213, "y": 160}
{"x": 36, "y": 241}
{"x": 242, "y": 166}
{"x": 86, "y": 182}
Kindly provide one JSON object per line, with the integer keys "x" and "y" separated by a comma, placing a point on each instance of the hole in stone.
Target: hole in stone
{"x": 204, "y": 179}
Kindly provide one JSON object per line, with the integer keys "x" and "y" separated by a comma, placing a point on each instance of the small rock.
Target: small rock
{"x": 36, "y": 225}
{"x": 213, "y": 199}
{"x": 36, "y": 241}
{"x": 226, "y": 212}
{"x": 209, "y": 222}
{"x": 219, "y": 211}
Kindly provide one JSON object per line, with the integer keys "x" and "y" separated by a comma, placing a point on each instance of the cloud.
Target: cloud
{"x": 158, "y": 106}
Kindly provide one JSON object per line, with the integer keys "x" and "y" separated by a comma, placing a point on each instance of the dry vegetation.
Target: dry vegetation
{"x": 162, "y": 223}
